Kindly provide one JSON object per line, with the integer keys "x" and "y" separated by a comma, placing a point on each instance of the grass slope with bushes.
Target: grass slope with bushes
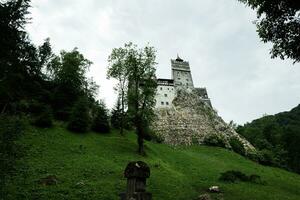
{"x": 90, "y": 166}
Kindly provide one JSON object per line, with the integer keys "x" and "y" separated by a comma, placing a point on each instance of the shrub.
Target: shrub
{"x": 267, "y": 157}
{"x": 10, "y": 151}
{"x": 254, "y": 156}
{"x": 215, "y": 140}
{"x": 79, "y": 119}
{"x": 44, "y": 119}
{"x": 237, "y": 146}
{"x": 100, "y": 121}
{"x": 234, "y": 176}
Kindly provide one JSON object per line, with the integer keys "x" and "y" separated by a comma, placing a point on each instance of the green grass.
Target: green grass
{"x": 98, "y": 162}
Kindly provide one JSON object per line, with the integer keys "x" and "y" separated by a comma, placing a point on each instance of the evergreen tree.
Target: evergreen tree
{"x": 115, "y": 118}
{"x": 101, "y": 119}
{"x": 79, "y": 119}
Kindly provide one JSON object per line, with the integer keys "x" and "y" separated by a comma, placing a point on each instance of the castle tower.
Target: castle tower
{"x": 181, "y": 73}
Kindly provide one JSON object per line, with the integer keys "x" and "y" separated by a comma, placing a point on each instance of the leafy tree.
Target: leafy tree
{"x": 279, "y": 23}
{"x": 136, "y": 67}
{"x": 141, "y": 95}
{"x": 80, "y": 118}
{"x": 68, "y": 72}
{"x": 118, "y": 70}
{"x": 101, "y": 119}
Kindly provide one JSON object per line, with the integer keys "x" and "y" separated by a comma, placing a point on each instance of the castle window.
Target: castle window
{"x": 162, "y": 103}
{"x": 167, "y": 103}
{"x": 178, "y": 78}
{"x": 187, "y": 84}
{"x": 168, "y": 88}
{"x": 187, "y": 79}
{"x": 166, "y": 95}
{"x": 160, "y": 88}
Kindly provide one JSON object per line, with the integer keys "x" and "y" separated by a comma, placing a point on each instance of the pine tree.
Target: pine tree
{"x": 101, "y": 119}
{"x": 79, "y": 119}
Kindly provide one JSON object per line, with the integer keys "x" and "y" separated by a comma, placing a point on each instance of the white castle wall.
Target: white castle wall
{"x": 164, "y": 96}
{"x": 181, "y": 80}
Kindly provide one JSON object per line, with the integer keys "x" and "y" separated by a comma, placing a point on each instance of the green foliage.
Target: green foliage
{"x": 19, "y": 61}
{"x": 91, "y": 167}
{"x": 115, "y": 118}
{"x": 11, "y": 129}
{"x": 267, "y": 157}
{"x": 278, "y": 23}
{"x": 277, "y": 137}
{"x": 101, "y": 119}
{"x": 44, "y": 119}
{"x": 68, "y": 72}
{"x": 233, "y": 176}
{"x": 79, "y": 119}
{"x": 135, "y": 67}
{"x": 237, "y": 146}
{"x": 215, "y": 140}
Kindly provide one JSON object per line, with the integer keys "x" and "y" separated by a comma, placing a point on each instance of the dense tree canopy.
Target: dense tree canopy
{"x": 279, "y": 23}
{"x": 278, "y": 138}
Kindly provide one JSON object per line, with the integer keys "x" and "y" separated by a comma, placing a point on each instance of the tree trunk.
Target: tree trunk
{"x": 141, "y": 150}
{"x": 122, "y": 113}
{"x": 140, "y": 139}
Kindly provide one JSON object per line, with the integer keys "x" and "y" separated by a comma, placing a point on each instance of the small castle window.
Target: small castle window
{"x": 166, "y": 95}
{"x": 168, "y": 88}
{"x": 167, "y": 103}
{"x": 187, "y": 84}
{"x": 187, "y": 79}
{"x": 178, "y": 78}
{"x": 162, "y": 103}
{"x": 160, "y": 88}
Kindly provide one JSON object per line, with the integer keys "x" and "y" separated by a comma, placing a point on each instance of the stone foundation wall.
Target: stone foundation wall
{"x": 190, "y": 121}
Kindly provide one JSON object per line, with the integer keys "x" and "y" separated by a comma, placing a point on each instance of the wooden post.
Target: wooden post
{"x": 136, "y": 174}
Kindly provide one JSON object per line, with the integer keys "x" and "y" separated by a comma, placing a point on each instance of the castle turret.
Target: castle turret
{"x": 181, "y": 73}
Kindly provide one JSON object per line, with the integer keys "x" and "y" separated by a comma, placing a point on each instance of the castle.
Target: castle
{"x": 181, "y": 80}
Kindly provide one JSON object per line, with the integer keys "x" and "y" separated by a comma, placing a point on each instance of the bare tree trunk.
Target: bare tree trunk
{"x": 122, "y": 113}
{"x": 140, "y": 139}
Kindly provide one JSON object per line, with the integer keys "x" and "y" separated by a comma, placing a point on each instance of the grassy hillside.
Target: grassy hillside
{"x": 90, "y": 166}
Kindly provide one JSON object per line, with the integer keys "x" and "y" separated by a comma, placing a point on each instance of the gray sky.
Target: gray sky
{"x": 217, "y": 37}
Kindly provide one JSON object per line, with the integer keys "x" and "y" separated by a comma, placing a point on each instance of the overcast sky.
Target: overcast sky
{"x": 217, "y": 37}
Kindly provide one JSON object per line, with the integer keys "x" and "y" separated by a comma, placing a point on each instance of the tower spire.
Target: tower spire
{"x": 178, "y": 58}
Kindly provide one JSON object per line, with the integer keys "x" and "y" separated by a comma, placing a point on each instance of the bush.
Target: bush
{"x": 100, "y": 122}
{"x": 237, "y": 146}
{"x": 254, "y": 156}
{"x": 267, "y": 157}
{"x": 44, "y": 119}
{"x": 233, "y": 176}
{"x": 79, "y": 119}
{"x": 10, "y": 151}
{"x": 215, "y": 140}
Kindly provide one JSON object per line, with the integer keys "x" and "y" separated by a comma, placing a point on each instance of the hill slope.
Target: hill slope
{"x": 278, "y": 137}
{"x": 91, "y": 167}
